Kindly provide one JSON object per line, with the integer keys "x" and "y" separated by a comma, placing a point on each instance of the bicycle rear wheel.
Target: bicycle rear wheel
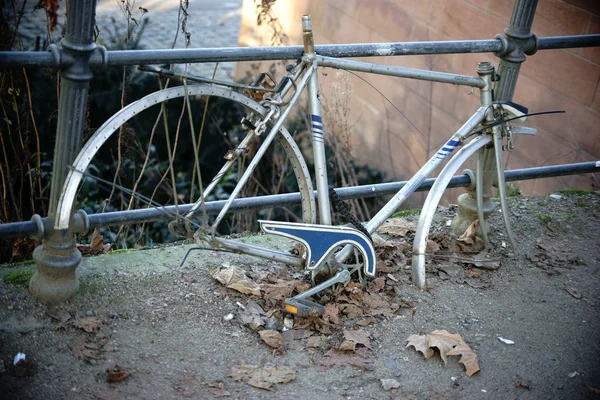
{"x": 153, "y": 151}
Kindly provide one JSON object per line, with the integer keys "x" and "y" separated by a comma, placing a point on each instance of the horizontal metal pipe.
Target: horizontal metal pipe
{"x": 565, "y": 42}
{"x": 401, "y": 72}
{"x": 12, "y": 59}
{"x": 26, "y": 59}
{"x": 20, "y": 229}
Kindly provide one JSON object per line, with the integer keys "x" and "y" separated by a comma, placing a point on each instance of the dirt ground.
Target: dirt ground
{"x": 176, "y": 332}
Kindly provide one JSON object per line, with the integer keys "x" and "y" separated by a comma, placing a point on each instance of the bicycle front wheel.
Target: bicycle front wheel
{"x": 162, "y": 151}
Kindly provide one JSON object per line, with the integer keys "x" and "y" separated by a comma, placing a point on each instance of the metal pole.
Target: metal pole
{"x": 57, "y": 257}
{"x": 58, "y": 59}
{"x": 519, "y": 37}
{"x": 116, "y": 218}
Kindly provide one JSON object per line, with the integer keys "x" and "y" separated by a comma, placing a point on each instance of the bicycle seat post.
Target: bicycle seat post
{"x": 318, "y": 140}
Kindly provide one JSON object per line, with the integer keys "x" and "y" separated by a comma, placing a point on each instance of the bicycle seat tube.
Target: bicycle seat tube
{"x": 318, "y": 141}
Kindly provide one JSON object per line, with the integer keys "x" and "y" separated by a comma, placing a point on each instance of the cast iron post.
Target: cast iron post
{"x": 517, "y": 41}
{"x": 520, "y": 42}
{"x": 57, "y": 258}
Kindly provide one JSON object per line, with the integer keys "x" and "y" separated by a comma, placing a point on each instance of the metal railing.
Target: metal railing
{"x": 77, "y": 55}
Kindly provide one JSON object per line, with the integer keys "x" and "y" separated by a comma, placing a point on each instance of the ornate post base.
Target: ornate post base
{"x": 55, "y": 280}
{"x": 467, "y": 212}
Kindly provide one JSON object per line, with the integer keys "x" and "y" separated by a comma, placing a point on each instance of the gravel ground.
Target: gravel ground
{"x": 176, "y": 332}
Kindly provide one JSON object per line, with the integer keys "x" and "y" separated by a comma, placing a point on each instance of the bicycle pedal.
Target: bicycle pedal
{"x": 303, "y": 307}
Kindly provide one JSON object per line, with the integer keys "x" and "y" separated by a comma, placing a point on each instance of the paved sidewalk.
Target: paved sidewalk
{"x": 210, "y": 23}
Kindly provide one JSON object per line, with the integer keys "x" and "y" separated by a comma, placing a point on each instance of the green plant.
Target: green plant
{"x": 406, "y": 213}
{"x": 544, "y": 218}
{"x": 90, "y": 285}
{"x": 579, "y": 192}
{"x": 19, "y": 277}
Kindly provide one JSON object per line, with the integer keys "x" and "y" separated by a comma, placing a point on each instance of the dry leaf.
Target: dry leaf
{"x": 594, "y": 390}
{"x": 107, "y": 393}
{"x": 96, "y": 246}
{"x": 272, "y": 338}
{"x": 332, "y": 313}
{"x": 447, "y": 344}
{"x": 347, "y": 345}
{"x": 296, "y": 334}
{"x": 470, "y": 232}
{"x": 421, "y": 344}
{"x": 217, "y": 389}
{"x": 444, "y": 341}
{"x": 432, "y": 246}
{"x": 252, "y": 319}
{"x": 188, "y": 385}
{"x": 235, "y": 278}
{"x": 320, "y": 342}
{"x": 277, "y": 293}
{"x": 398, "y": 227}
{"x": 574, "y": 292}
{"x": 117, "y": 374}
{"x": 377, "y": 305}
{"x": 378, "y": 284}
{"x": 23, "y": 248}
{"x": 88, "y": 324}
{"x": 358, "y": 337}
{"x": 469, "y": 357}
{"x": 84, "y": 350}
{"x": 262, "y": 378}
{"x": 336, "y": 358}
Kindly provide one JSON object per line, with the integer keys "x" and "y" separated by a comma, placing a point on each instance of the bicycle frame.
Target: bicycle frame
{"x": 303, "y": 76}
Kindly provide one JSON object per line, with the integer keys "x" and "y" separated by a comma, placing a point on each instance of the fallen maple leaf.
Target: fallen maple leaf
{"x": 442, "y": 339}
{"x": 468, "y": 357}
{"x": 117, "y": 374}
{"x": 421, "y": 344}
{"x": 88, "y": 324}
{"x": 447, "y": 344}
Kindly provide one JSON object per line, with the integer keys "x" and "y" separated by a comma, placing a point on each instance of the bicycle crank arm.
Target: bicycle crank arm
{"x": 302, "y": 307}
{"x": 321, "y": 240}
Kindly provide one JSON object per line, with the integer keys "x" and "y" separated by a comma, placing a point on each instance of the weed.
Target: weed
{"x": 545, "y": 218}
{"x": 570, "y": 216}
{"x": 89, "y": 285}
{"x": 513, "y": 190}
{"x": 19, "y": 277}
{"x": 125, "y": 250}
{"x": 579, "y": 192}
{"x": 116, "y": 300}
{"x": 25, "y": 263}
{"x": 406, "y": 213}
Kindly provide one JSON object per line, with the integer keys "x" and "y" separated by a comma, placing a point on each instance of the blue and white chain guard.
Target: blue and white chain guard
{"x": 321, "y": 240}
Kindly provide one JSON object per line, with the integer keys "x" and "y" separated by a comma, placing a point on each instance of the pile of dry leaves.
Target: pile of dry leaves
{"x": 328, "y": 338}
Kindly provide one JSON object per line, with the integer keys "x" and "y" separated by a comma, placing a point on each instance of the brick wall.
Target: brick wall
{"x": 550, "y": 80}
